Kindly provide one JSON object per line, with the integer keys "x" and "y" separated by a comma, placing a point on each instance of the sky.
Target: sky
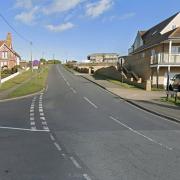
{"x": 72, "y": 29}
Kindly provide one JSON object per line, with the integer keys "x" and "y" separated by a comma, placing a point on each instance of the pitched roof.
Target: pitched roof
{"x": 142, "y": 32}
{"x": 153, "y": 36}
{"x": 1, "y": 43}
{"x": 157, "y": 40}
{"x": 102, "y": 54}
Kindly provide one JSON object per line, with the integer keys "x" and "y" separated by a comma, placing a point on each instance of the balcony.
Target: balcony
{"x": 162, "y": 59}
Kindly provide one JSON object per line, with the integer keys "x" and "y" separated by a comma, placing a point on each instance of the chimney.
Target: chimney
{"x": 9, "y": 40}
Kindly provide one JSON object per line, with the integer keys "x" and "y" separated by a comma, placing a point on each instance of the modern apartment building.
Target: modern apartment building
{"x": 156, "y": 52}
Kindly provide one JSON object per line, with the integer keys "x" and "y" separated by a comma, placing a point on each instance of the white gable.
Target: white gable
{"x": 138, "y": 41}
{"x": 172, "y": 25}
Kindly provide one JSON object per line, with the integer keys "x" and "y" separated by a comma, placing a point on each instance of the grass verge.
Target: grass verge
{"x": 124, "y": 85}
{"x": 16, "y": 80}
{"x": 35, "y": 84}
{"x": 171, "y": 101}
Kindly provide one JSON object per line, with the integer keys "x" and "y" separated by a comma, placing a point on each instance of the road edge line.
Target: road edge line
{"x": 135, "y": 104}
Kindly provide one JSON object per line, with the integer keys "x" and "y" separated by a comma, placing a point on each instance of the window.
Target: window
{"x": 175, "y": 50}
{"x": 4, "y": 55}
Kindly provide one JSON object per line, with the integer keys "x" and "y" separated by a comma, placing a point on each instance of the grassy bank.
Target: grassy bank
{"x": 124, "y": 85}
{"x": 35, "y": 84}
{"x": 16, "y": 80}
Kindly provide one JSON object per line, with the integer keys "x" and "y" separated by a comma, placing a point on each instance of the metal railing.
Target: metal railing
{"x": 163, "y": 58}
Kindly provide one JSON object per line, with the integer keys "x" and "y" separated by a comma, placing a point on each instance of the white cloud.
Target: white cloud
{"x": 61, "y": 6}
{"x": 27, "y": 17}
{"x": 61, "y": 27}
{"x": 24, "y": 4}
{"x": 98, "y": 8}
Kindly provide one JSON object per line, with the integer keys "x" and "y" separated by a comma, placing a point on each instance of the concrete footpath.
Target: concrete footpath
{"x": 149, "y": 101}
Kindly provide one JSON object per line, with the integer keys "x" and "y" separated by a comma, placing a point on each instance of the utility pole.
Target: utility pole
{"x": 43, "y": 54}
{"x": 31, "y": 57}
{"x": 53, "y": 58}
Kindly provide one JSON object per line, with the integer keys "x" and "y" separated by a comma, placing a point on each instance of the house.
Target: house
{"x": 8, "y": 57}
{"x": 24, "y": 64}
{"x": 155, "y": 53}
{"x": 103, "y": 57}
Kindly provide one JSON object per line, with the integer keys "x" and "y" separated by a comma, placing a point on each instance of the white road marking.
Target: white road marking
{"x": 73, "y": 90}
{"x": 33, "y": 127}
{"x": 23, "y": 129}
{"x": 31, "y": 118}
{"x": 63, "y": 155}
{"x": 32, "y": 123}
{"x": 44, "y": 123}
{"x": 41, "y": 114}
{"x": 57, "y": 146}
{"x": 140, "y": 134}
{"x": 40, "y": 110}
{"x": 52, "y": 137}
{"x": 86, "y": 177}
{"x": 45, "y": 128}
{"x": 31, "y": 110}
{"x": 43, "y": 118}
{"x": 90, "y": 102}
{"x": 31, "y": 114}
{"x": 75, "y": 162}
{"x": 155, "y": 115}
{"x": 67, "y": 83}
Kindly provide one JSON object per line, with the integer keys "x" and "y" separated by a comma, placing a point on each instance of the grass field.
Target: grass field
{"x": 35, "y": 84}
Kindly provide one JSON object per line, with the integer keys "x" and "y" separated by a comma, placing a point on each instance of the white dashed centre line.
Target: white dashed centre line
{"x": 140, "y": 134}
{"x": 75, "y": 162}
{"x": 86, "y": 177}
{"x": 57, "y": 146}
{"x": 90, "y": 102}
{"x": 73, "y": 90}
{"x": 52, "y": 137}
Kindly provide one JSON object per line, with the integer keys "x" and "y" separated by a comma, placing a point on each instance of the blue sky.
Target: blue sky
{"x": 72, "y": 29}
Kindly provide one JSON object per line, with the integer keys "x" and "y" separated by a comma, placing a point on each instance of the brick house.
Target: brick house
{"x": 155, "y": 53}
{"x": 8, "y": 57}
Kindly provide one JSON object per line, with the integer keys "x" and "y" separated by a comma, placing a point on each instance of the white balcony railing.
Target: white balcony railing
{"x": 163, "y": 59}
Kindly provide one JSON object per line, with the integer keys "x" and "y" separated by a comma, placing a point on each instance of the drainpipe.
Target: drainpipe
{"x": 169, "y": 60}
{"x": 157, "y": 77}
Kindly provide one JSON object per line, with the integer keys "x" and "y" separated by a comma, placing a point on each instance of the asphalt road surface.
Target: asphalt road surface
{"x": 77, "y": 131}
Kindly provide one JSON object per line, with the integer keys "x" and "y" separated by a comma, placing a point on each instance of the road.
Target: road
{"x": 75, "y": 130}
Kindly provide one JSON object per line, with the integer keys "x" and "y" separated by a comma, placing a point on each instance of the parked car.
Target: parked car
{"x": 175, "y": 83}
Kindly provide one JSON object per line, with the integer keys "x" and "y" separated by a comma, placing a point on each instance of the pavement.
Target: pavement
{"x": 76, "y": 130}
{"x": 147, "y": 100}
